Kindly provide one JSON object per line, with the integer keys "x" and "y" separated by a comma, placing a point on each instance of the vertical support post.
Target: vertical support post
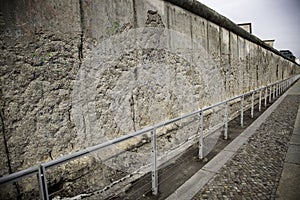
{"x": 270, "y": 96}
{"x": 259, "y": 105}
{"x": 274, "y": 90}
{"x": 154, "y": 163}
{"x": 226, "y": 121}
{"x": 201, "y": 145}
{"x": 285, "y": 85}
{"x": 280, "y": 91}
{"x": 252, "y": 105}
{"x": 266, "y": 95}
{"x": 242, "y": 111}
{"x": 43, "y": 183}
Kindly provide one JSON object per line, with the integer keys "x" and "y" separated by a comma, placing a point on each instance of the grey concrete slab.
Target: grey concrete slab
{"x": 295, "y": 140}
{"x": 289, "y": 183}
{"x": 192, "y": 186}
{"x": 293, "y": 154}
{"x": 218, "y": 161}
{"x": 295, "y": 89}
{"x": 297, "y": 124}
{"x": 236, "y": 144}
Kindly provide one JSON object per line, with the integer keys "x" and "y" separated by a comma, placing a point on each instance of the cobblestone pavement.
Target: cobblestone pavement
{"x": 254, "y": 172}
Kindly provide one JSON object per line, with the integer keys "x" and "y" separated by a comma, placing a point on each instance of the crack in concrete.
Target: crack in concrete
{"x": 5, "y": 141}
{"x": 80, "y": 47}
{"x": 131, "y": 102}
{"x": 19, "y": 196}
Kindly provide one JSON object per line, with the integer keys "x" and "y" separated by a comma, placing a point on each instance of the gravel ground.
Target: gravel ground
{"x": 254, "y": 171}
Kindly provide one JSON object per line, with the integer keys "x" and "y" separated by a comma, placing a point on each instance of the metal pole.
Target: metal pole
{"x": 201, "y": 136}
{"x": 242, "y": 111}
{"x": 259, "y": 106}
{"x": 266, "y": 94}
{"x": 226, "y": 122}
{"x": 270, "y": 97}
{"x": 43, "y": 183}
{"x": 154, "y": 163}
{"x": 252, "y": 105}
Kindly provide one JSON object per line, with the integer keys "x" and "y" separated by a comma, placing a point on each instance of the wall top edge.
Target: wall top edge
{"x": 205, "y": 12}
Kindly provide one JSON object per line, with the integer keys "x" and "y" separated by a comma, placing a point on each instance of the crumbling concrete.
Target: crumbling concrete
{"x": 78, "y": 73}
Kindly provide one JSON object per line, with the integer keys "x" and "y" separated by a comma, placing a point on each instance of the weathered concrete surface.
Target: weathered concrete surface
{"x": 25, "y": 17}
{"x": 76, "y": 73}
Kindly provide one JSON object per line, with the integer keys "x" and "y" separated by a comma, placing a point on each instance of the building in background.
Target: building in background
{"x": 246, "y": 26}
{"x": 270, "y": 42}
{"x": 288, "y": 54}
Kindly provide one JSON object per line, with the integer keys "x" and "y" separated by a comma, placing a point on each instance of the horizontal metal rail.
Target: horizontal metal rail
{"x": 277, "y": 87}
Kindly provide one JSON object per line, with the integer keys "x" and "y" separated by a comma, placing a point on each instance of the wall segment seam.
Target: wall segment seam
{"x": 207, "y": 13}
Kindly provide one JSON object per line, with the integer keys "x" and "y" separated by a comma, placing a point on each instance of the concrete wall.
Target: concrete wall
{"x": 77, "y": 73}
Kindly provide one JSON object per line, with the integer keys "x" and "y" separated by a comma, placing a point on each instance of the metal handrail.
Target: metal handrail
{"x": 278, "y": 87}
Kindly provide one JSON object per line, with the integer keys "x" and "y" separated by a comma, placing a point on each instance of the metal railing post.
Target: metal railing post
{"x": 40, "y": 170}
{"x": 259, "y": 105}
{"x": 242, "y": 111}
{"x": 201, "y": 136}
{"x": 43, "y": 183}
{"x": 226, "y": 122}
{"x": 270, "y": 96}
{"x": 266, "y": 95}
{"x": 154, "y": 162}
{"x": 252, "y": 105}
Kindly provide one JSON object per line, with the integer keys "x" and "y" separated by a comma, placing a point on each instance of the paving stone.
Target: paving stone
{"x": 254, "y": 171}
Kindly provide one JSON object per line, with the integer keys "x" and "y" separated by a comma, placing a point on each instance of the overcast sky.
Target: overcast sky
{"x": 271, "y": 19}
